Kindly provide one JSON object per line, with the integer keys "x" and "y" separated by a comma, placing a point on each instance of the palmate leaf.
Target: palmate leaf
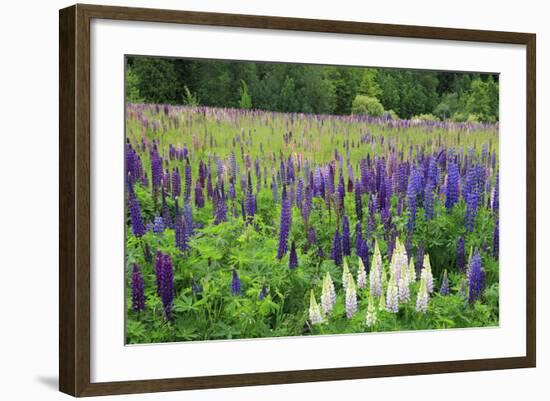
{"x": 184, "y": 304}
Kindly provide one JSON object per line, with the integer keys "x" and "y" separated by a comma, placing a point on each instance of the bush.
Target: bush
{"x": 459, "y": 117}
{"x": 367, "y": 105}
{"x": 425, "y": 117}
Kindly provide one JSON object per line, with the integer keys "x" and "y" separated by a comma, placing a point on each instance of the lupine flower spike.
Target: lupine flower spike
{"x": 351, "y": 297}
{"x": 375, "y": 274}
{"x": 361, "y": 274}
{"x": 427, "y": 273}
{"x": 138, "y": 297}
{"x": 345, "y": 275}
{"x": 328, "y": 296}
{"x": 371, "y": 313}
{"x": 423, "y": 296}
{"x": 315, "y": 316}
{"x": 444, "y": 289}
{"x": 392, "y": 295}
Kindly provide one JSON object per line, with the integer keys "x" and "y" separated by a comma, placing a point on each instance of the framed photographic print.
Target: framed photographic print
{"x": 250, "y": 200}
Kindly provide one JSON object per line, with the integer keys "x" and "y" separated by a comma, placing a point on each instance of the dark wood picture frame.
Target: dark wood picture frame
{"x": 74, "y": 199}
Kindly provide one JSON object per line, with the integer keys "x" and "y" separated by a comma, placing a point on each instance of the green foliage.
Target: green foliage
{"x": 367, "y": 105}
{"x": 425, "y": 117}
{"x": 447, "y": 107}
{"x": 246, "y": 101}
{"x": 311, "y": 88}
{"x": 188, "y": 98}
{"x": 156, "y": 79}
{"x": 369, "y": 85}
{"x": 132, "y": 87}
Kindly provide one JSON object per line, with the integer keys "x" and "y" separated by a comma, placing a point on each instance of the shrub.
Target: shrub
{"x": 425, "y": 117}
{"x": 367, "y": 105}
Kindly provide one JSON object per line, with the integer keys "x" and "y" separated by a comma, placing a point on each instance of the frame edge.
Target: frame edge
{"x": 67, "y": 131}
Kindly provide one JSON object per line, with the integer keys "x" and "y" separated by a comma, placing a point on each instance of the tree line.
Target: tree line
{"x": 314, "y": 88}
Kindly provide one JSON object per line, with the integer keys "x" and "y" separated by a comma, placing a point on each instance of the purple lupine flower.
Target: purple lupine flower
{"x": 138, "y": 296}
{"x": 290, "y": 171}
{"x": 371, "y": 223}
{"x": 149, "y": 227}
{"x": 284, "y": 226}
{"x": 341, "y": 192}
{"x": 220, "y": 209}
{"x": 471, "y": 209}
{"x": 476, "y": 278}
{"x": 411, "y": 198}
{"x": 358, "y": 238}
{"x": 460, "y": 256}
{"x": 188, "y": 218}
{"x": 453, "y": 176}
{"x": 202, "y": 173}
{"x": 233, "y": 163}
{"x": 176, "y": 183}
{"x": 429, "y": 201}
{"x": 209, "y": 186}
{"x": 166, "y": 181}
{"x": 336, "y": 251}
{"x": 318, "y": 188}
{"x": 293, "y": 260}
{"x": 299, "y": 192}
{"x": 358, "y": 202}
{"x": 263, "y": 293}
{"x": 275, "y": 189}
{"x": 158, "y": 225}
{"x": 235, "y": 284}
{"x": 431, "y": 181}
{"x": 156, "y": 169}
{"x": 433, "y": 172}
{"x": 311, "y": 236}
{"x": 165, "y": 211}
{"x": 165, "y": 282}
{"x": 346, "y": 248}
{"x": 231, "y": 190}
{"x": 250, "y": 201}
{"x": 418, "y": 259}
{"x": 444, "y": 289}
{"x": 135, "y": 216}
{"x": 496, "y": 240}
{"x": 188, "y": 179}
{"x": 181, "y": 233}
{"x": 199, "y": 198}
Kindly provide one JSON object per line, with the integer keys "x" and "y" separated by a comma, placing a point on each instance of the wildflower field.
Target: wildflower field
{"x": 247, "y": 224}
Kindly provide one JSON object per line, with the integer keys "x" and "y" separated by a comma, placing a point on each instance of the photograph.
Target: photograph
{"x": 269, "y": 199}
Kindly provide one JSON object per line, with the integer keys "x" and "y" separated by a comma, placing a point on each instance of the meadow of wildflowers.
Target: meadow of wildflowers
{"x": 247, "y": 224}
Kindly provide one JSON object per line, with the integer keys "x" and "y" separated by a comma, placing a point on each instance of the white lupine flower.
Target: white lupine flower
{"x": 361, "y": 275}
{"x": 375, "y": 274}
{"x": 371, "y": 313}
{"x": 345, "y": 274}
{"x": 423, "y": 296}
{"x": 351, "y": 297}
{"x": 412, "y": 271}
{"x": 427, "y": 271}
{"x": 315, "y": 316}
{"x": 382, "y": 302}
{"x": 399, "y": 259}
{"x": 392, "y": 296}
{"x": 328, "y": 296}
{"x": 403, "y": 290}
